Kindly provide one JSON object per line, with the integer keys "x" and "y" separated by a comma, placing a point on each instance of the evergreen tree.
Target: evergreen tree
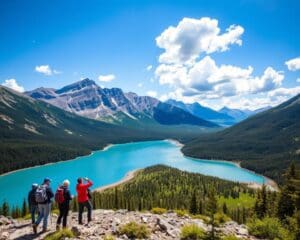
{"x": 212, "y": 208}
{"x": 193, "y": 204}
{"x": 224, "y": 207}
{"x": 24, "y": 208}
{"x": 5, "y": 209}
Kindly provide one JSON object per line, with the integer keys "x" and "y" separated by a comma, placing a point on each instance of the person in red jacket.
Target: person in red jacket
{"x": 83, "y": 198}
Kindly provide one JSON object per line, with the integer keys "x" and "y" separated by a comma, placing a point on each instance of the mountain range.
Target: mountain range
{"x": 225, "y": 116}
{"x": 266, "y": 142}
{"x": 87, "y": 99}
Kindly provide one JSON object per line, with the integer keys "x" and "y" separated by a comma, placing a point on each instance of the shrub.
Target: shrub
{"x": 59, "y": 235}
{"x": 157, "y": 210}
{"x": 134, "y": 230}
{"x": 109, "y": 237}
{"x": 180, "y": 213}
{"x": 204, "y": 218}
{"x": 192, "y": 232}
{"x": 269, "y": 228}
{"x": 221, "y": 218}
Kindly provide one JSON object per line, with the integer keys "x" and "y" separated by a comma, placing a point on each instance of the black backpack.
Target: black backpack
{"x": 89, "y": 193}
{"x": 32, "y": 197}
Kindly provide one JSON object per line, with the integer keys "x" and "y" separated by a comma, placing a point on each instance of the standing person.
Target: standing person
{"x": 33, "y": 205}
{"x": 63, "y": 198}
{"x": 43, "y": 197}
{"x": 83, "y": 198}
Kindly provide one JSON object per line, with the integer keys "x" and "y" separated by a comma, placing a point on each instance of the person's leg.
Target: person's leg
{"x": 32, "y": 213}
{"x": 60, "y": 215}
{"x": 41, "y": 214}
{"x": 80, "y": 212}
{"x": 66, "y": 211}
{"x": 89, "y": 208}
{"x": 46, "y": 215}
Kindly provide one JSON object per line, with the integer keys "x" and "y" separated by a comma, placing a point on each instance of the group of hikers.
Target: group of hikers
{"x": 40, "y": 199}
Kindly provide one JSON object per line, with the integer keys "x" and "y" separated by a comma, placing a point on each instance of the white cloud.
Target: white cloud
{"x": 149, "y": 67}
{"x": 205, "y": 76}
{"x": 46, "y": 69}
{"x": 106, "y": 78}
{"x": 192, "y": 74}
{"x": 293, "y": 64}
{"x": 140, "y": 85}
{"x": 12, "y": 83}
{"x": 298, "y": 80}
{"x": 192, "y": 37}
{"x": 151, "y": 93}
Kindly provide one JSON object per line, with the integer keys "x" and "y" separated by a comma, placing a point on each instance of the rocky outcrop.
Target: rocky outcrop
{"x": 107, "y": 222}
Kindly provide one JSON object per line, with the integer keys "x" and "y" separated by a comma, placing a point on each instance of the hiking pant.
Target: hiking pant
{"x": 44, "y": 211}
{"x": 88, "y": 205}
{"x": 63, "y": 214}
{"x": 33, "y": 210}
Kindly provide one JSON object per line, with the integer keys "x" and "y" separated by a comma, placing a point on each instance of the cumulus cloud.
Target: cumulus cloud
{"x": 293, "y": 64}
{"x": 149, "y": 67}
{"x": 205, "y": 76}
{"x": 186, "y": 66}
{"x": 46, "y": 70}
{"x": 106, "y": 78}
{"x": 192, "y": 37}
{"x": 12, "y": 83}
{"x": 151, "y": 93}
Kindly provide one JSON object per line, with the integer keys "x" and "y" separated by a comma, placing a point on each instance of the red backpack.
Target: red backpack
{"x": 59, "y": 195}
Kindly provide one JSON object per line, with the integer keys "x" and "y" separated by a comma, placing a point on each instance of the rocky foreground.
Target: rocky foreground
{"x": 107, "y": 222}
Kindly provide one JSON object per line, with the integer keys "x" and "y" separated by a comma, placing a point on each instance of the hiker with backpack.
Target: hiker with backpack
{"x": 43, "y": 197}
{"x": 83, "y": 198}
{"x": 33, "y": 205}
{"x": 63, "y": 198}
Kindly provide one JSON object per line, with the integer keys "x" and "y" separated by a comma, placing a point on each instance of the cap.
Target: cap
{"x": 47, "y": 179}
{"x": 34, "y": 185}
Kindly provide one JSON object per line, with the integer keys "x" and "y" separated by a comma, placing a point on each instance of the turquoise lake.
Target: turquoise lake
{"x": 111, "y": 165}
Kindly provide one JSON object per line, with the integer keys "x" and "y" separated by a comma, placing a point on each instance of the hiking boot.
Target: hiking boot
{"x": 45, "y": 230}
{"x": 34, "y": 227}
{"x": 57, "y": 227}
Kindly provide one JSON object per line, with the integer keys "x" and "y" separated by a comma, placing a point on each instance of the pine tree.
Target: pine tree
{"x": 212, "y": 208}
{"x": 193, "y": 204}
{"x": 24, "y": 208}
{"x": 225, "y": 209}
{"x": 5, "y": 209}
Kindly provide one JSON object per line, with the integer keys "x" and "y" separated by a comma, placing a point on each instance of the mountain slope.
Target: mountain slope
{"x": 266, "y": 142}
{"x": 33, "y": 132}
{"x": 203, "y": 112}
{"x": 87, "y": 99}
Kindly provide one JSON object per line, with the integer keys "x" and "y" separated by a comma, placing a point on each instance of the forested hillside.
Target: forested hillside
{"x": 265, "y": 143}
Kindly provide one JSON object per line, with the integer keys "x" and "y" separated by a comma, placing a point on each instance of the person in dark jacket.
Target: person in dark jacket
{"x": 83, "y": 198}
{"x": 33, "y": 205}
{"x": 44, "y": 207}
{"x": 64, "y": 206}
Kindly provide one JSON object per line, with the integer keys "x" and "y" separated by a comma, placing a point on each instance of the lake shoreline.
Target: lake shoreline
{"x": 269, "y": 182}
{"x": 128, "y": 176}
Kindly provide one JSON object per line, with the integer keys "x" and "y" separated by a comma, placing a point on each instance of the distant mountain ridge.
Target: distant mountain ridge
{"x": 87, "y": 99}
{"x": 266, "y": 142}
{"x": 204, "y": 112}
{"x": 225, "y": 116}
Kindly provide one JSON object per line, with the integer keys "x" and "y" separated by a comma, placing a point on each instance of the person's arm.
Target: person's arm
{"x": 69, "y": 196}
{"x": 29, "y": 198}
{"x": 88, "y": 184}
{"x": 50, "y": 193}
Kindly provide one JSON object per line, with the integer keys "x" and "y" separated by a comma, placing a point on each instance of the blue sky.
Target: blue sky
{"x": 54, "y": 43}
